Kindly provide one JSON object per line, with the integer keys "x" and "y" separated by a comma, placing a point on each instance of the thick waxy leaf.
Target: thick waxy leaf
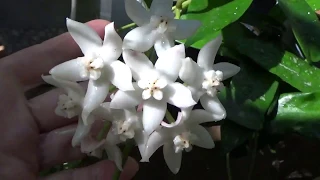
{"x": 249, "y": 96}
{"x": 214, "y": 15}
{"x": 291, "y": 69}
{"x": 305, "y": 26}
{"x": 298, "y": 112}
{"x": 233, "y": 135}
{"x": 314, "y": 4}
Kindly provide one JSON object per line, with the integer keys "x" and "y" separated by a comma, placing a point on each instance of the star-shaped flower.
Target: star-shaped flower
{"x": 157, "y": 26}
{"x": 99, "y": 64}
{"x": 204, "y": 78}
{"x": 155, "y": 86}
{"x": 178, "y": 138}
{"x": 93, "y": 147}
{"x": 69, "y": 104}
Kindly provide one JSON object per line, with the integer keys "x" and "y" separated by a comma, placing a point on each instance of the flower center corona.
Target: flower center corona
{"x": 125, "y": 129}
{"x": 152, "y": 87}
{"x": 212, "y": 82}
{"x": 183, "y": 142}
{"x": 67, "y": 107}
{"x": 93, "y": 67}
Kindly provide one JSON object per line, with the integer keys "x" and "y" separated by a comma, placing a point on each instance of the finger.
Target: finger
{"x": 103, "y": 170}
{"x": 55, "y": 147}
{"x": 29, "y": 64}
{"x": 215, "y": 132}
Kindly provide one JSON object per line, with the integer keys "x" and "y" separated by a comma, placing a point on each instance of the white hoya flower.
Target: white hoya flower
{"x": 93, "y": 147}
{"x": 99, "y": 64}
{"x": 83, "y": 130}
{"x": 204, "y": 78}
{"x": 158, "y": 27}
{"x": 126, "y": 123}
{"x": 155, "y": 86}
{"x": 69, "y": 104}
{"x": 178, "y": 138}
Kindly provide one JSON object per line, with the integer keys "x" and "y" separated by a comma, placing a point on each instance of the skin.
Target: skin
{"x": 32, "y": 137}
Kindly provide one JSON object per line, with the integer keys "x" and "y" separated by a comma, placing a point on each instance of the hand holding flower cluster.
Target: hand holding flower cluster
{"x": 137, "y": 110}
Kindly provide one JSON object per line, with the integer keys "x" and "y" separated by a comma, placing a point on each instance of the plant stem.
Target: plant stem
{"x": 177, "y": 13}
{"x": 184, "y": 5}
{"x": 126, "y": 27}
{"x": 104, "y": 131}
{"x": 254, "y": 153}
{"x": 179, "y": 4}
{"x": 125, "y": 154}
{"x": 228, "y": 166}
{"x": 169, "y": 117}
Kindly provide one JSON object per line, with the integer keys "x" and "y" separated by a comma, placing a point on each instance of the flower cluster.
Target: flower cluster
{"x": 137, "y": 110}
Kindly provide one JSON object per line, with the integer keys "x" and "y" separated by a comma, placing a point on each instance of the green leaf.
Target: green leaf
{"x": 305, "y": 26}
{"x": 249, "y": 96}
{"x": 314, "y": 4}
{"x": 290, "y": 68}
{"x": 214, "y": 15}
{"x": 298, "y": 112}
{"x": 233, "y": 135}
{"x": 148, "y": 2}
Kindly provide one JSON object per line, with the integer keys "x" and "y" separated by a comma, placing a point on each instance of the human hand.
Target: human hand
{"x": 32, "y": 137}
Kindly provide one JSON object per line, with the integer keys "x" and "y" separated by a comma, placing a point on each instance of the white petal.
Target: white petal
{"x": 158, "y": 95}
{"x": 143, "y": 83}
{"x": 153, "y": 113}
{"x": 95, "y": 74}
{"x": 87, "y": 39}
{"x": 162, "y": 44}
{"x": 170, "y": 62}
{"x": 208, "y": 53}
{"x": 203, "y": 139}
{"x": 72, "y": 70}
{"x": 136, "y": 12}
{"x": 120, "y": 76}
{"x": 227, "y": 69}
{"x": 199, "y": 116}
{"x": 138, "y": 62}
{"x": 141, "y": 39}
{"x": 191, "y": 73}
{"x": 146, "y": 94}
{"x": 112, "y": 44}
{"x": 156, "y": 140}
{"x": 73, "y": 89}
{"x": 172, "y": 159}
{"x": 213, "y": 105}
{"x": 179, "y": 95}
{"x": 178, "y": 121}
{"x": 185, "y": 28}
{"x": 114, "y": 154}
{"x": 127, "y": 99}
{"x": 162, "y": 8}
{"x": 161, "y": 83}
{"x": 141, "y": 139}
{"x": 80, "y": 133}
{"x": 96, "y": 94}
